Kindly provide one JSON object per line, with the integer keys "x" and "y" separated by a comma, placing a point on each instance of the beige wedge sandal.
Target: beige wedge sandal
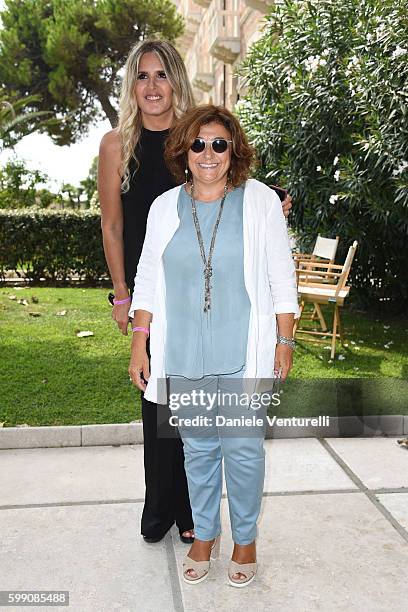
{"x": 201, "y": 568}
{"x": 248, "y": 570}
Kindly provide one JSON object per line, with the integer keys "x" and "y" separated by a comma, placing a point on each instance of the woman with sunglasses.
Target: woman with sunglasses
{"x": 216, "y": 291}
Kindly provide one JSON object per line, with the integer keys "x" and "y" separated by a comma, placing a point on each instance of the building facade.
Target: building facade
{"x": 218, "y": 34}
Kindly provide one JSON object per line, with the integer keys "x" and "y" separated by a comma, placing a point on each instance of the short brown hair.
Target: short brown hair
{"x": 187, "y": 128}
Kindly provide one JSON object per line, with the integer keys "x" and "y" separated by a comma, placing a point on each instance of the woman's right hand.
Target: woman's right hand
{"x": 120, "y": 314}
{"x": 139, "y": 362}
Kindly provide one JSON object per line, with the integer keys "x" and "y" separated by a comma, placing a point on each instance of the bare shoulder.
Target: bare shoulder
{"x": 110, "y": 143}
{"x": 110, "y": 155}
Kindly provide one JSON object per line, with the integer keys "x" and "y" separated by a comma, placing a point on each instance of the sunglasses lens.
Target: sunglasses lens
{"x": 198, "y": 145}
{"x": 220, "y": 145}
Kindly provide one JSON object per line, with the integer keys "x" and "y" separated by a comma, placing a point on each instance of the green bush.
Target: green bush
{"x": 327, "y": 112}
{"x": 52, "y": 244}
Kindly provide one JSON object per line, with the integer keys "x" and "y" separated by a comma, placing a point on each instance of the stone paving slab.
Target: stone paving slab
{"x": 49, "y": 475}
{"x": 302, "y": 464}
{"x": 378, "y": 462}
{"x": 329, "y": 552}
{"x": 94, "y": 551}
{"x": 397, "y": 504}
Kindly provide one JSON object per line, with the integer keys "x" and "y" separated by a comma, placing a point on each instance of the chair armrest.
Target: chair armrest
{"x": 319, "y": 273}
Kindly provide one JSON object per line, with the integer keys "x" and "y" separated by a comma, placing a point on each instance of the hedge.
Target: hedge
{"x": 52, "y": 244}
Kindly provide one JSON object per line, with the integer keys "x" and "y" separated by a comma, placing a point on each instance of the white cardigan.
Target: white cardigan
{"x": 269, "y": 274}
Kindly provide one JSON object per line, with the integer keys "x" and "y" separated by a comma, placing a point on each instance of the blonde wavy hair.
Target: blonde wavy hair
{"x": 130, "y": 117}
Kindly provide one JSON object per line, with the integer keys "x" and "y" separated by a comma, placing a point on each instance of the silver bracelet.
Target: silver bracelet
{"x": 289, "y": 341}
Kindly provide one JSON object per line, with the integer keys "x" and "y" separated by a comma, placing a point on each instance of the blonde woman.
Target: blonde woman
{"x": 131, "y": 174}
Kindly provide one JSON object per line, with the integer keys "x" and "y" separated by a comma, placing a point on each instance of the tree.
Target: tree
{"x": 19, "y": 186}
{"x": 16, "y": 122}
{"x": 89, "y": 184}
{"x": 69, "y": 52}
{"x": 85, "y": 194}
{"x": 327, "y": 112}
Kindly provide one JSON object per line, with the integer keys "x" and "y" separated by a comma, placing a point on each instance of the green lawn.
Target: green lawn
{"x": 49, "y": 376}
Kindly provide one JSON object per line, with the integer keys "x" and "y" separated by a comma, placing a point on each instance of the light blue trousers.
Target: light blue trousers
{"x": 206, "y": 444}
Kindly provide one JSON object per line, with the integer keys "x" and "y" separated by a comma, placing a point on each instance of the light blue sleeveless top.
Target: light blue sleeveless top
{"x": 197, "y": 343}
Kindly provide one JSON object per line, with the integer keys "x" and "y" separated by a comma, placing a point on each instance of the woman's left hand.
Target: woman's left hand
{"x": 287, "y": 205}
{"x": 283, "y": 360}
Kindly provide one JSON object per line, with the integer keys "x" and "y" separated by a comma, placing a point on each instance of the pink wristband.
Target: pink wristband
{"x": 125, "y": 301}
{"x": 143, "y": 329}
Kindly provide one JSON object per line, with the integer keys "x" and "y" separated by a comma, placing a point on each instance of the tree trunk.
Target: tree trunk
{"x": 108, "y": 109}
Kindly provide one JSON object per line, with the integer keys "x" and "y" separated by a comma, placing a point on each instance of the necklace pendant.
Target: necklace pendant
{"x": 207, "y": 299}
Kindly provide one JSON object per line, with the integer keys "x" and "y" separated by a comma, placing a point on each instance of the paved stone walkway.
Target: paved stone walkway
{"x": 333, "y": 531}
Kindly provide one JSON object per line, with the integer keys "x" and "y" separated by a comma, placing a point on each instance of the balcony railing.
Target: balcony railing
{"x": 224, "y": 35}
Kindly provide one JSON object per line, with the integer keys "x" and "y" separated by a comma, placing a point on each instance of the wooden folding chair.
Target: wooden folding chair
{"x": 324, "y": 250}
{"x": 331, "y": 290}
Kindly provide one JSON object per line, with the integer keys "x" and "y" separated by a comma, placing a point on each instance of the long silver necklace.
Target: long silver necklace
{"x": 206, "y": 262}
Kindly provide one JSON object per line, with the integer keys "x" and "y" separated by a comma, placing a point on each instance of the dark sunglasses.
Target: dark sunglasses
{"x": 219, "y": 145}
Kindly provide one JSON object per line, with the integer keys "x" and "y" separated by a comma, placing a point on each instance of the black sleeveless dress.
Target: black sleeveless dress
{"x": 151, "y": 179}
{"x": 166, "y": 499}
